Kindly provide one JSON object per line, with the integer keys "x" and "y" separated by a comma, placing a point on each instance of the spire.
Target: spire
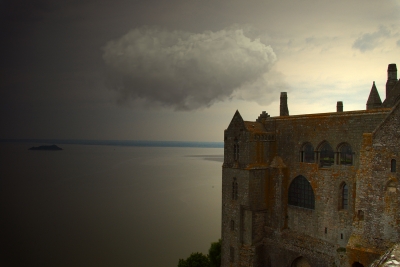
{"x": 374, "y": 100}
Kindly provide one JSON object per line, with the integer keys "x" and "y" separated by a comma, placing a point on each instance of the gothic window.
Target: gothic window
{"x": 345, "y": 155}
{"x": 232, "y": 225}
{"x": 326, "y": 155}
{"x": 234, "y": 189}
{"x": 301, "y": 193}
{"x": 344, "y": 196}
{"x": 393, "y": 165}
{"x": 236, "y": 150}
{"x": 307, "y": 153}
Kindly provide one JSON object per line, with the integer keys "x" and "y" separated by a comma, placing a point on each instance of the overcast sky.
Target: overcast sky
{"x": 179, "y": 69}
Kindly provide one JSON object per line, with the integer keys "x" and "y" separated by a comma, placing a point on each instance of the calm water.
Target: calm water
{"x": 107, "y": 205}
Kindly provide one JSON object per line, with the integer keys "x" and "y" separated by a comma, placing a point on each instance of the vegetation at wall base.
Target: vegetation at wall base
{"x": 197, "y": 259}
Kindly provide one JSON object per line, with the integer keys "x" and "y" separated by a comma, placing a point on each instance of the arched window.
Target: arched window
{"x": 301, "y": 193}
{"x": 344, "y": 196}
{"x": 326, "y": 155}
{"x": 236, "y": 150}
{"x": 393, "y": 165}
{"x": 234, "y": 189}
{"x": 345, "y": 155}
{"x": 307, "y": 153}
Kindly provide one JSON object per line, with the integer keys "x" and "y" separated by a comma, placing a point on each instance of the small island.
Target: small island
{"x": 51, "y": 147}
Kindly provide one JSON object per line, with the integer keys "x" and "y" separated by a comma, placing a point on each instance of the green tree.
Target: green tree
{"x": 195, "y": 259}
{"x": 214, "y": 254}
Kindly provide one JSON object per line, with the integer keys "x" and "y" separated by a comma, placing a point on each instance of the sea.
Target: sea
{"x": 108, "y": 203}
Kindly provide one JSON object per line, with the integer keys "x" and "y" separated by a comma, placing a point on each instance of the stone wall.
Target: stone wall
{"x": 269, "y": 232}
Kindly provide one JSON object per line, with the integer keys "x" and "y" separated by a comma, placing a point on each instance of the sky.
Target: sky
{"x": 178, "y": 70}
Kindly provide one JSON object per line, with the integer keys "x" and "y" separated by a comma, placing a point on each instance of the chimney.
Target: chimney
{"x": 391, "y": 79}
{"x": 339, "y": 106}
{"x": 284, "y": 111}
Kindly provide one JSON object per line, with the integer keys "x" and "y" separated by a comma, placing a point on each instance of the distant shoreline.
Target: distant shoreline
{"x": 138, "y": 143}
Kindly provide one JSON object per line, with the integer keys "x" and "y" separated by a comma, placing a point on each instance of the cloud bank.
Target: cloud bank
{"x": 184, "y": 70}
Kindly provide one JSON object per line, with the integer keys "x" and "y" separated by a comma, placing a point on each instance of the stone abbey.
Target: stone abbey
{"x": 314, "y": 189}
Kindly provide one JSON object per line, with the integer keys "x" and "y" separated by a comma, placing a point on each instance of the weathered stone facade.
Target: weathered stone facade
{"x": 315, "y": 189}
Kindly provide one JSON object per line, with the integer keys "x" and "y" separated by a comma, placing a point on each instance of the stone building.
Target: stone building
{"x": 314, "y": 189}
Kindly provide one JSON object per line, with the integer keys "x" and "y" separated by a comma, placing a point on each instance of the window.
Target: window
{"x": 232, "y": 225}
{"x": 326, "y": 155}
{"x": 360, "y": 215}
{"x": 236, "y": 150}
{"x": 393, "y": 165}
{"x": 232, "y": 254}
{"x": 307, "y": 153}
{"x": 345, "y": 155}
{"x": 301, "y": 193}
{"x": 344, "y": 196}
{"x": 391, "y": 186}
{"x": 234, "y": 189}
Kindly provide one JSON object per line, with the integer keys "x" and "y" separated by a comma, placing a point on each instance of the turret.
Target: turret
{"x": 391, "y": 79}
{"x": 284, "y": 110}
{"x": 374, "y": 100}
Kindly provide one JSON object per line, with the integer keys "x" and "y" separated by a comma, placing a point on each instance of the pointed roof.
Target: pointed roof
{"x": 374, "y": 100}
{"x": 237, "y": 120}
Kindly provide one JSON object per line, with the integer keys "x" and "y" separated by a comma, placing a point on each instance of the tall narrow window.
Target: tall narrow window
{"x": 301, "y": 193}
{"x": 234, "y": 189}
{"x": 232, "y": 254}
{"x": 232, "y": 225}
{"x": 393, "y": 165}
{"x": 345, "y": 155}
{"x": 236, "y": 150}
{"x": 344, "y": 197}
{"x": 326, "y": 155}
{"x": 307, "y": 153}
{"x": 360, "y": 215}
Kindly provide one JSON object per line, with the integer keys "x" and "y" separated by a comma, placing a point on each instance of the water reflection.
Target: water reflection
{"x": 107, "y": 206}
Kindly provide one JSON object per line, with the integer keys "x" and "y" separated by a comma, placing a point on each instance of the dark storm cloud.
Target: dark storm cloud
{"x": 185, "y": 70}
{"x": 369, "y": 41}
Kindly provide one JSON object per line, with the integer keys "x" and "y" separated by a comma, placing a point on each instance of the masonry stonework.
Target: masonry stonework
{"x": 314, "y": 189}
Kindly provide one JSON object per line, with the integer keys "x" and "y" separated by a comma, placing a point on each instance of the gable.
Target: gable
{"x": 237, "y": 123}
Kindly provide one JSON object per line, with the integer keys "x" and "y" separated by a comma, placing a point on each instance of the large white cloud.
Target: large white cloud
{"x": 186, "y": 70}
